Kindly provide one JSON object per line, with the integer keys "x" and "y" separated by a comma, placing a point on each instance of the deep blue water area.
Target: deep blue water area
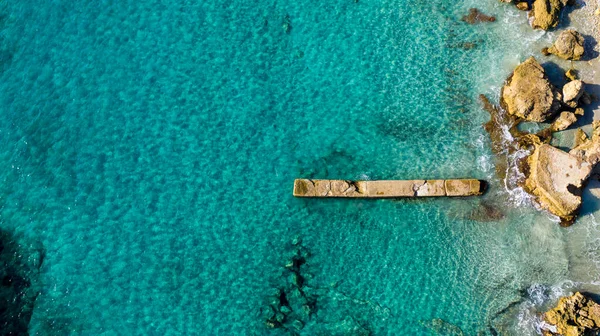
{"x": 151, "y": 148}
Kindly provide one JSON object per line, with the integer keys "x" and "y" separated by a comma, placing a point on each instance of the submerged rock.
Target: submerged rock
{"x": 528, "y": 94}
{"x": 18, "y": 288}
{"x": 441, "y": 327}
{"x": 568, "y": 45}
{"x": 572, "y": 91}
{"x": 486, "y": 212}
{"x": 574, "y": 316}
{"x": 545, "y": 14}
{"x": 555, "y": 178}
{"x": 475, "y": 16}
{"x": 563, "y": 121}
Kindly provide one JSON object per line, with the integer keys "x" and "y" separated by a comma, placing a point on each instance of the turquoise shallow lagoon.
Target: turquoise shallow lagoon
{"x": 151, "y": 147}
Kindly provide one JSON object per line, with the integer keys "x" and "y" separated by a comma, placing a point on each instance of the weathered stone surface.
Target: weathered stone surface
{"x": 463, "y": 187}
{"x": 545, "y": 51}
{"x": 528, "y": 93}
{"x": 396, "y": 188}
{"x": 571, "y": 74}
{"x": 328, "y": 188}
{"x": 580, "y": 138}
{"x": 579, "y": 111}
{"x": 563, "y": 121}
{"x": 555, "y": 178}
{"x": 572, "y": 91}
{"x": 545, "y": 14}
{"x": 589, "y": 150}
{"x": 384, "y": 189}
{"x": 523, "y": 5}
{"x": 568, "y": 45}
{"x": 574, "y": 315}
{"x": 432, "y": 188}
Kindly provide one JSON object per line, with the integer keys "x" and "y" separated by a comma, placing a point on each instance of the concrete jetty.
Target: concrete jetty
{"x": 387, "y": 188}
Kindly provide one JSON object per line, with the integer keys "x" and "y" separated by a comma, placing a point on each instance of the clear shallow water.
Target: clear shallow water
{"x": 151, "y": 148}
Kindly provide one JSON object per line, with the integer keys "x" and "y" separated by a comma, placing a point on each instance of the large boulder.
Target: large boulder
{"x": 545, "y": 14}
{"x": 588, "y": 150}
{"x": 556, "y": 178}
{"x": 568, "y": 45}
{"x": 572, "y": 91}
{"x": 528, "y": 94}
{"x": 574, "y": 315}
{"x": 564, "y": 120}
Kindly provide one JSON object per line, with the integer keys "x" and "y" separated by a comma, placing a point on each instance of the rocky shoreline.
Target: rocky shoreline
{"x": 555, "y": 177}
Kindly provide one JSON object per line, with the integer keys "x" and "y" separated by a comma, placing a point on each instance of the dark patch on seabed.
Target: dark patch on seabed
{"x": 19, "y": 285}
{"x": 7, "y": 47}
{"x": 297, "y": 307}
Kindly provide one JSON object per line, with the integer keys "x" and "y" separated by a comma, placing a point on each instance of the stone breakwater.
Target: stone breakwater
{"x": 388, "y": 188}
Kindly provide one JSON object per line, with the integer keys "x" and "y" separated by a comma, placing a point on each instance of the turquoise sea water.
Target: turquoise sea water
{"x": 151, "y": 147}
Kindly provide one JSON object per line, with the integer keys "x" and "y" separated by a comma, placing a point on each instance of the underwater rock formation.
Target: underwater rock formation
{"x": 568, "y": 45}
{"x": 545, "y": 14}
{"x": 556, "y": 178}
{"x": 528, "y": 94}
{"x": 441, "y": 327}
{"x": 486, "y": 212}
{"x": 475, "y": 16}
{"x": 18, "y": 290}
{"x": 291, "y": 306}
{"x": 574, "y": 315}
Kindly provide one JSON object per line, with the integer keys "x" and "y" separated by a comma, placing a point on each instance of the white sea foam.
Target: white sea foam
{"x": 539, "y": 297}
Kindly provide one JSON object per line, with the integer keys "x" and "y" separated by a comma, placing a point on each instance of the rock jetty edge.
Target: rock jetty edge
{"x": 388, "y": 188}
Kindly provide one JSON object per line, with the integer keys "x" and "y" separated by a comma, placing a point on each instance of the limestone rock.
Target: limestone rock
{"x": 571, "y": 74}
{"x": 568, "y": 45}
{"x": 580, "y": 137}
{"x": 579, "y": 111}
{"x": 563, "y": 122}
{"x": 572, "y": 91}
{"x": 574, "y": 315}
{"x": 589, "y": 150}
{"x": 545, "y": 52}
{"x": 523, "y": 5}
{"x": 528, "y": 93}
{"x": 555, "y": 178}
{"x": 545, "y": 14}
